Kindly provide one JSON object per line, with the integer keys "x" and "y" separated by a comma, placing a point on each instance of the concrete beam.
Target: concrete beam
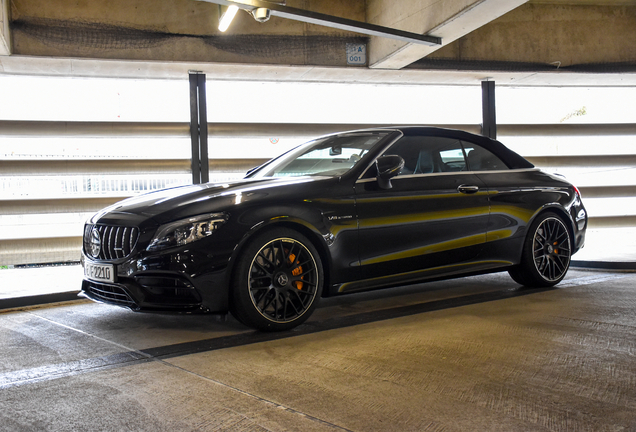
{"x": 94, "y": 68}
{"x": 448, "y": 19}
{"x": 5, "y": 35}
{"x": 560, "y": 36}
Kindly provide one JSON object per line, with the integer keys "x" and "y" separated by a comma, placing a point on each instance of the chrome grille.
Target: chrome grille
{"x": 116, "y": 241}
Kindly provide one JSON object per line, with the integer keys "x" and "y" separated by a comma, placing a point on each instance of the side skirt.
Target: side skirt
{"x": 435, "y": 273}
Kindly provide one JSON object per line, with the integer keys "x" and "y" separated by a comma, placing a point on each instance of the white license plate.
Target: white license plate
{"x": 99, "y": 272}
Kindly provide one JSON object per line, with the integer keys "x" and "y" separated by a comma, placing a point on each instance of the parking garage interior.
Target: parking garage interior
{"x": 103, "y": 101}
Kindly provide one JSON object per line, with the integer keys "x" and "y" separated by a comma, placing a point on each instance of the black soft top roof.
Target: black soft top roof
{"x": 510, "y": 158}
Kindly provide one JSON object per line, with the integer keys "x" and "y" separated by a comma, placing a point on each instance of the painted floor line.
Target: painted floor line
{"x": 587, "y": 280}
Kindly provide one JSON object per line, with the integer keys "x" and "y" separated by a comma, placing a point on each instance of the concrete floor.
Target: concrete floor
{"x": 473, "y": 354}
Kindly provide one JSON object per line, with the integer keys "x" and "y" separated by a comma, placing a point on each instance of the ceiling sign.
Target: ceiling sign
{"x": 356, "y": 54}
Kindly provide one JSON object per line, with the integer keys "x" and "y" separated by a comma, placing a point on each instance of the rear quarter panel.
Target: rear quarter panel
{"x": 516, "y": 198}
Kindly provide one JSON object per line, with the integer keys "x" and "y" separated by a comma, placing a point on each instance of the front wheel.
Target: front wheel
{"x": 277, "y": 282}
{"x": 546, "y": 254}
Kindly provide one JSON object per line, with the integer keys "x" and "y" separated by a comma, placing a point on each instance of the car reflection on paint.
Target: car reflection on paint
{"x": 344, "y": 213}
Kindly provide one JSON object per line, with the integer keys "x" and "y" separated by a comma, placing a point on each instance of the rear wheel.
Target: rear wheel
{"x": 277, "y": 282}
{"x": 546, "y": 253}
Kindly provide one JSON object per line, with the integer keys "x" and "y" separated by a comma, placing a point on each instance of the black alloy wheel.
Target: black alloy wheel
{"x": 278, "y": 281}
{"x": 546, "y": 253}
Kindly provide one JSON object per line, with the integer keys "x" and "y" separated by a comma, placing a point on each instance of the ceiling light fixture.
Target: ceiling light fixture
{"x": 227, "y": 17}
{"x": 261, "y": 10}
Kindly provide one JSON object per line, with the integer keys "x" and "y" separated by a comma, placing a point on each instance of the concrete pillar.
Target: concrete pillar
{"x": 5, "y": 36}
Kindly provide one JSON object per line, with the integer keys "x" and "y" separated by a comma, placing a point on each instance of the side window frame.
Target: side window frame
{"x": 500, "y": 165}
{"x": 414, "y": 164}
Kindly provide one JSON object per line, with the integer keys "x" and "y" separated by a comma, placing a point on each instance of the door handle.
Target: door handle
{"x": 468, "y": 189}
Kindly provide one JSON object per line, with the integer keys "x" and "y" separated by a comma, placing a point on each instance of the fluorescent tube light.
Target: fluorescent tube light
{"x": 227, "y": 17}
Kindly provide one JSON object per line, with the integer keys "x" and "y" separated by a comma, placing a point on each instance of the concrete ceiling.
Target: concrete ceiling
{"x": 514, "y": 42}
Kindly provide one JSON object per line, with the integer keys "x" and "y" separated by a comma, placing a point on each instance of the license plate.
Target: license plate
{"x": 99, "y": 272}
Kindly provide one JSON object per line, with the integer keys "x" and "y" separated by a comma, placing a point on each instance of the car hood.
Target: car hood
{"x": 181, "y": 202}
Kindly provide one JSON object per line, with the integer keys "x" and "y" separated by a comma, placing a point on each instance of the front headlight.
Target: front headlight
{"x": 186, "y": 231}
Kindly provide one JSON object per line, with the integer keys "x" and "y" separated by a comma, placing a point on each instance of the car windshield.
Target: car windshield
{"x": 329, "y": 156}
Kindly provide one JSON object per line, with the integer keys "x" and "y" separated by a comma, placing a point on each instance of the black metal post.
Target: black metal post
{"x": 489, "y": 123}
{"x": 194, "y": 129}
{"x": 199, "y": 129}
{"x": 204, "y": 163}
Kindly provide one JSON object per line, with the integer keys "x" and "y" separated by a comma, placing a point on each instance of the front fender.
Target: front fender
{"x": 335, "y": 238}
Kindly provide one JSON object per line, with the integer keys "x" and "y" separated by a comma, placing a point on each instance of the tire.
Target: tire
{"x": 277, "y": 281}
{"x": 546, "y": 254}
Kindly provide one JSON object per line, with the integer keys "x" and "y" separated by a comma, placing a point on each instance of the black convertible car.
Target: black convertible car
{"x": 344, "y": 213}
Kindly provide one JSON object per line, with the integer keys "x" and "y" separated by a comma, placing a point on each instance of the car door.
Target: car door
{"x": 435, "y": 214}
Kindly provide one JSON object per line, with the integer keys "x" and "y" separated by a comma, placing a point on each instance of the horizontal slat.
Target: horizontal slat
{"x": 119, "y": 166}
{"x": 266, "y": 130}
{"x": 103, "y": 166}
{"x": 612, "y": 222}
{"x": 609, "y": 206}
{"x": 584, "y": 161}
{"x": 156, "y": 129}
{"x": 92, "y": 129}
{"x": 608, "y": 191}
{"x": 68, "y": 205}
{"x": 566, "y": 129}
{"x": 42, "y": 226}
{"x": 40, "y": 251}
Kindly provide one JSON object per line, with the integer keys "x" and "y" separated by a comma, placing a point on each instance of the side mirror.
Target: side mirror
{"x": 387, "y": 167}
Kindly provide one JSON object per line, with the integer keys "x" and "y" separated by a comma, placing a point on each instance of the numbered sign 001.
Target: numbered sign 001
{"x": 356, "y": 54}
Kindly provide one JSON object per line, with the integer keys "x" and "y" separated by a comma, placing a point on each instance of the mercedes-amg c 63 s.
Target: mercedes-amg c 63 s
{"x": 343, "y": 213}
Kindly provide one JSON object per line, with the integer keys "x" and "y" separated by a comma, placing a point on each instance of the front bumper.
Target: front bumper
{"x": 164, "y": 283}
